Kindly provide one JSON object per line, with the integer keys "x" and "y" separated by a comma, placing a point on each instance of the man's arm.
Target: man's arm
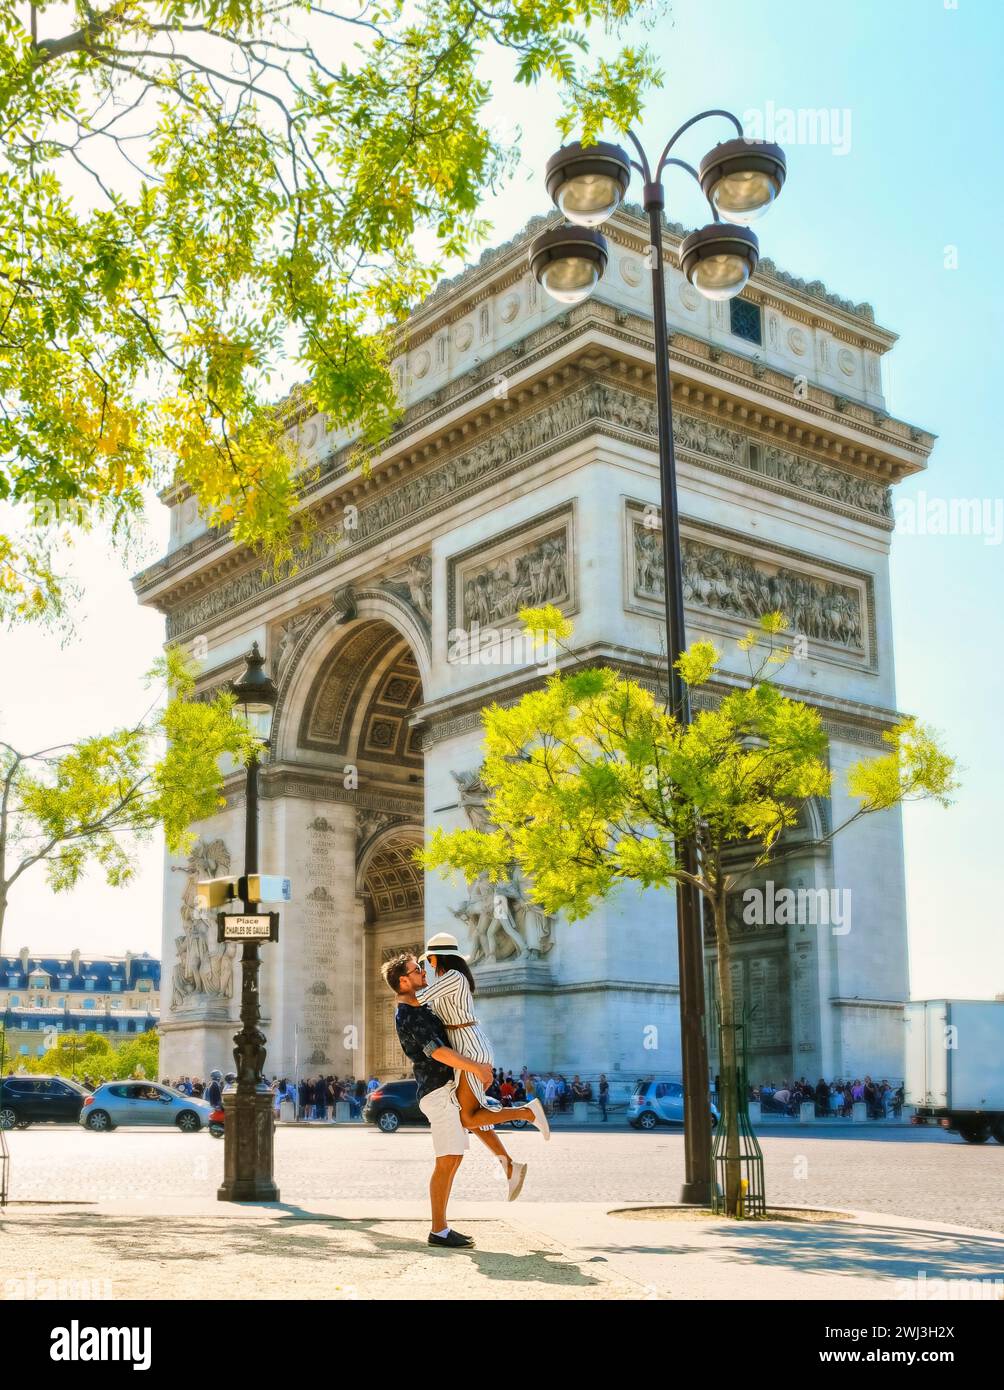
{"x": 449, "y": 1058}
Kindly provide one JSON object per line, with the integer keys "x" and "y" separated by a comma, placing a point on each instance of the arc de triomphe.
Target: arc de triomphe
{"x": 524, "y": 470}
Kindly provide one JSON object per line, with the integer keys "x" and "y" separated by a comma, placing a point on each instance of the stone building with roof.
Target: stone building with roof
{"x": 117, "y": 995}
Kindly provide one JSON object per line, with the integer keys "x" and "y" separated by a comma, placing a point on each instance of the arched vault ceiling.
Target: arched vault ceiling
{"x": 394, "y": 881}
{"x": 359, "y": 704}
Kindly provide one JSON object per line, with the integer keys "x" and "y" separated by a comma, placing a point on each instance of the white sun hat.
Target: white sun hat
{"x": 444, "y": 943}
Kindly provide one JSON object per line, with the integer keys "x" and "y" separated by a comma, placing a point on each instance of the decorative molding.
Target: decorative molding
{"x": 543, "y": 341}
{"x": 414, "y": 585}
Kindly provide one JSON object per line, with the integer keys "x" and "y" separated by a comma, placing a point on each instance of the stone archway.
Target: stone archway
{"x": 391, "y": 887}
{"x": 777, "y": 957}
{"x": 346, "y": 797}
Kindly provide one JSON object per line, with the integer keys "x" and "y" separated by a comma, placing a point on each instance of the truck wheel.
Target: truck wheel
{"x": 974, "y": 1133}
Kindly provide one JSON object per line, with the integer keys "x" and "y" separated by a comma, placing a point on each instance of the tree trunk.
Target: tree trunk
{"x": 728, "y": 1062}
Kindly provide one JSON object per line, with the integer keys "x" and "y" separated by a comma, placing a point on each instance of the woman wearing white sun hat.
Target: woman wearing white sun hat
{"x": 451, "y": 997}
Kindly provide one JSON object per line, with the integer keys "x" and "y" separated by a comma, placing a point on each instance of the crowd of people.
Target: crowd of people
{"x": 315, "y": 1097}
{"x": 834, "y": 1098}
{"x": 553, "y": 1089}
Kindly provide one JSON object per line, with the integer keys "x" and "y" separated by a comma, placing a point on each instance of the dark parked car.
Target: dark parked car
{"x": 32, "y": 1100}
{"x": 393, "y": 1104}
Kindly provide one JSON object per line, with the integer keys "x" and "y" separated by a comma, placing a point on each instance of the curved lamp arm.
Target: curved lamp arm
{"x": 693, "y": 121}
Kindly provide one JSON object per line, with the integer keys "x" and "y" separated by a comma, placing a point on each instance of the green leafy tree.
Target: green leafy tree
{"x": 137, "y": 1057}
{"x": 87, "y": 804}
{"x": 76, "y": 1054}
{"x": 199, "y": 198}
{"x": 594, "y": 783}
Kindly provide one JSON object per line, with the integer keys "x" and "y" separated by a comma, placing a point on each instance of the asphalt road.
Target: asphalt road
{"x": 922, "y": 1173}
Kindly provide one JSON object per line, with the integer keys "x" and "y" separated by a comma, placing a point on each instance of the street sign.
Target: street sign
{"x": 257, "y": 926}
{"x": 269, "y": 888}
{"x": 214, "y": 892}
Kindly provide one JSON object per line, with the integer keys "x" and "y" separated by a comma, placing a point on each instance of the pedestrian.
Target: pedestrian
{"x": 423, "y": 1038}
{"x": 604, "y": 1095}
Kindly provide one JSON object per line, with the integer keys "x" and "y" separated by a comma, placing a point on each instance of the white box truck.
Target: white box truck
{"x": 955, "y": 1065}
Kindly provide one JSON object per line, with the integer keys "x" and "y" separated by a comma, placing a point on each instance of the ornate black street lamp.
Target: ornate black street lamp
{"x": 740, "y": 179}
{"x": 247, "y": 1132}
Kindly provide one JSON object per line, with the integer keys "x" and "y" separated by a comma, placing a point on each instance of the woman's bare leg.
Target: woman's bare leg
{"x": 475, "y": 1116}
{"x": 491, "y": 1140}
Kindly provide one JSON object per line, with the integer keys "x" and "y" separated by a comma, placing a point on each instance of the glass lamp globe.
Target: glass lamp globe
{"x": 720, "y": 277}
{"x": 570, "y": 280}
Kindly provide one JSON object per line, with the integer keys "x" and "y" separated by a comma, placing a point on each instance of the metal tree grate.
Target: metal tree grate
{"x": 735, "y": 1131}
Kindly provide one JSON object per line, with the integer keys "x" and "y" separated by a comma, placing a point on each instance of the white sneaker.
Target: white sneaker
{"x": 540, "y": 1119}
{"x": 517, "y": 1180}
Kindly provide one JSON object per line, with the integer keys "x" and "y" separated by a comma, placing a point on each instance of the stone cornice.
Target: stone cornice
{"x": 310, "y": 784}
{"x": 595, "y": 406}
{"x": 897, "y": 1004}
{"x": 498, "y": 266}
{"x": 211, "y": 558}
{"x": 845, "y": 720}
{"x": 726, "y": 385}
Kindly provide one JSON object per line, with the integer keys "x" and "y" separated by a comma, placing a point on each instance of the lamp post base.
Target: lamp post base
{"x": 695, "y": 1194}
{"x": 247, "y": 1139}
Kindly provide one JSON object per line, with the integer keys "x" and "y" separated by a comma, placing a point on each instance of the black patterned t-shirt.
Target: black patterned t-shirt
{"x": 420, "y": 1032}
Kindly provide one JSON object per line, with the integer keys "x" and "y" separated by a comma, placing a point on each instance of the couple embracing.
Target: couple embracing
{"x": 452, "y": 1060}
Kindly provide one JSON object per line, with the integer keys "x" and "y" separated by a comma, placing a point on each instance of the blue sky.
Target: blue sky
{"x": 915, "y": 84}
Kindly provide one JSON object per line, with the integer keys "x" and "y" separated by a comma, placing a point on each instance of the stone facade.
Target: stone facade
{"x": 524, "y": 471}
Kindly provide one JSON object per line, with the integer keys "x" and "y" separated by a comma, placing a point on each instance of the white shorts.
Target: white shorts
{"x": 442, "y": 1109}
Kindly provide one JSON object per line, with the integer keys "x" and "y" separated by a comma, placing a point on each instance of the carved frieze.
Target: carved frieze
{"x": 397, "y": 507}
{"x": 743, "y": 584}
{"x": 526, "y": 567}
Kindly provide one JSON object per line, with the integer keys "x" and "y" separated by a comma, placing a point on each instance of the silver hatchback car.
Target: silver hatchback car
{"x": 660, "y": 1102}
{"x": 120, "y": 1103}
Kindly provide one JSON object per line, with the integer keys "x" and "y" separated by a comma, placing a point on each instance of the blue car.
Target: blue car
{"x": 659, "y": 1103}
{"x": 119, "y": 1103}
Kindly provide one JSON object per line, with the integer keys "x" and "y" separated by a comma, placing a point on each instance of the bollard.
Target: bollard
{"x": 859, "y": 1113}
{"x": 287, "y": 1111}
{"x": 580, "y": 1112}
{"x": 807, "y": 1112}
{"x": 343, "y": 1111}
{"x": 755, "y": 1112}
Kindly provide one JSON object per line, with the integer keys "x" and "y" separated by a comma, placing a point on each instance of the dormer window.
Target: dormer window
{"x": 90, "y": 982}
{"x": 115, "y": 986}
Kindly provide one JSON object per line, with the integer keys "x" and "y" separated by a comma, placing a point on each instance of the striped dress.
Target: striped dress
{"x": 449, "y": 996}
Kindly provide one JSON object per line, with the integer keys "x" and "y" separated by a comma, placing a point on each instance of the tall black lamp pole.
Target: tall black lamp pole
{"x": 740, "y": 179}
{"x": 247, "y": 1107}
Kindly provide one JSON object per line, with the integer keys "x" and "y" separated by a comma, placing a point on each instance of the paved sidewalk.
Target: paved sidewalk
{"x": 199, "y": 1249}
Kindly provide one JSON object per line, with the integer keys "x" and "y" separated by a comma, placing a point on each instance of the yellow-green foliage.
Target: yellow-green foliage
{"x": 87, "y": 804}
{"x": 594, "y": 782}
{"x": 202, "y": 198}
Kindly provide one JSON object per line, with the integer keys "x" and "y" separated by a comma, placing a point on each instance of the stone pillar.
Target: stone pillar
{"x": 316, "y": 966}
